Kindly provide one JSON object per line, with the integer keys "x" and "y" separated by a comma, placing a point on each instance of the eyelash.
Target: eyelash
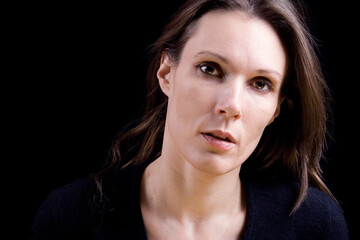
{"x": 215, "y": 67}
{"x": 265, "y": 81}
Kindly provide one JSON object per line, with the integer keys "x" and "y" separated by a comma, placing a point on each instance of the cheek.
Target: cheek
{"x": 180, "y": 115}
{"x": 255, "y": 119}
{"x": 189, "y": 100}
{"x": 258, "y": 114}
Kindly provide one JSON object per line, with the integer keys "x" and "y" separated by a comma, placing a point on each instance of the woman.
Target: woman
{"x": 235, "y": 89}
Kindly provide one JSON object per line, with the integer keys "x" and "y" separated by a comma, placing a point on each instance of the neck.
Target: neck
{"x": 185, "y": 193}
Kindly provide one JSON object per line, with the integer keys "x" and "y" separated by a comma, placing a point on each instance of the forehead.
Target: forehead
{"x": 243, "y": 40}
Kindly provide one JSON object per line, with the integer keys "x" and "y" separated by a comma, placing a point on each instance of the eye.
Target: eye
{"x": 210, "y": 68}
{"x": 262, "y": 84}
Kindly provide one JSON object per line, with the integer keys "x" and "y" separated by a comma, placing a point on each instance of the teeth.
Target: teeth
{"x": 220, "y": 138}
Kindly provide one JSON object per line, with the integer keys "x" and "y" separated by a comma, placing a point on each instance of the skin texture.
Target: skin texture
{"x": 226, "y": 85}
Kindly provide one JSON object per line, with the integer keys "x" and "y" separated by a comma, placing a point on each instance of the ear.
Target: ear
{"x": 277, "y": 111}
{"x": 164, "y": 73}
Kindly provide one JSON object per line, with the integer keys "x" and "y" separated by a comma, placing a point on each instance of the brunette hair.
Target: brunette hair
{"x": 294, "y": 140}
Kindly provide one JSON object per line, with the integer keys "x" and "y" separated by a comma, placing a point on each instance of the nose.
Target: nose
{"x": 229, "y": 102}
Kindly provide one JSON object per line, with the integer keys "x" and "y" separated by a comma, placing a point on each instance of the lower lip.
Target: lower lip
{"x": 217, "y": 143}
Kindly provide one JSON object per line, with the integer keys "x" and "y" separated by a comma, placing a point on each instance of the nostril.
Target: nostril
{"x": 238, "y": 115}
{"x": 230, "y": 114}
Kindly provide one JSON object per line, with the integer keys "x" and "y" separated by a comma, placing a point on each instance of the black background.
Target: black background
{"x": 75, "y": 75}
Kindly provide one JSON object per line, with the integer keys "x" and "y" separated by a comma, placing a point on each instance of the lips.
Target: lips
{"x": 219, "y": 139}
{"x": 221, "y": 135}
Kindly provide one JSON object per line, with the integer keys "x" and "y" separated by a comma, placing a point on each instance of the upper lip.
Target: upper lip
{"x": 221, "y": 134}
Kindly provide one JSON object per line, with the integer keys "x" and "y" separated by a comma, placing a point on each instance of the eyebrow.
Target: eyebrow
{"x": 265, "y": 71}
{"x": 213, "y": 54}
{"x": 223, "y": 59}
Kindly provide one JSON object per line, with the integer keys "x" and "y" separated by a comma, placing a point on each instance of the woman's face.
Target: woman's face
{"x": 223, "y": 91}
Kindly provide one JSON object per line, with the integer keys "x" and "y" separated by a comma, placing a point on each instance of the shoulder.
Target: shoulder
{"x": 120, "y": 204}
{"x": 121, "y": 186}
{"x": 70, "y": 197}
{"x": 319, "y": 216}
{"x": 321, "y": 213}
{"x": 72, "y": 194}
{"x": 79, "y": 211}
{"x": 65, "y": 209}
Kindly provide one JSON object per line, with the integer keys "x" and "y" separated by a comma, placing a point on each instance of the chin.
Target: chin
{"x": 215, "y": 165}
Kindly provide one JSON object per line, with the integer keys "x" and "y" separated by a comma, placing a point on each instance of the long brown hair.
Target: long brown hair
{"x": 295, "y": 140}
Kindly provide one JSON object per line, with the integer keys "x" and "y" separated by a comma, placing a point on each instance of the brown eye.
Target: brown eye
{"x": 262, "y": 84}
{"x": 210, "y": 69}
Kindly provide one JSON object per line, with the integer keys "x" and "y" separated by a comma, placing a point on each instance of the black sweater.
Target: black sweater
{"x": 76, "y": 211}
